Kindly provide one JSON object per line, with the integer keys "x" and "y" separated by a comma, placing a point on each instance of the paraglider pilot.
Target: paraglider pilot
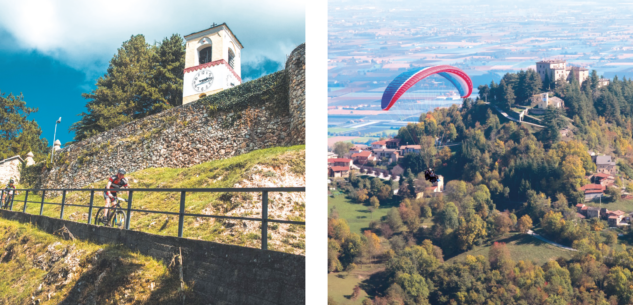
{"x": 430, "y": 175}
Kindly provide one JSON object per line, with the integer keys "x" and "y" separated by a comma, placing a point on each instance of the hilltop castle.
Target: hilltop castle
{"x": 557, "y": 69}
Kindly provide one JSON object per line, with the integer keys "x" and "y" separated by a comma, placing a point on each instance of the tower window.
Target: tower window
{"x": 231, "y": 59}
{"x": 205, "y": 55}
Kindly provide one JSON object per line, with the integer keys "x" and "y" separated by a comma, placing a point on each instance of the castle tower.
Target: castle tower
{"x": 212, "y": 62}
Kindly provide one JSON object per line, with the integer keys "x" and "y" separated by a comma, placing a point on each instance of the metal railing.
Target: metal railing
{"x": 181, "y": 214}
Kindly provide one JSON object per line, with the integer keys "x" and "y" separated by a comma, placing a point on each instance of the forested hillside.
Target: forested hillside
{"x": 502, "y": 181}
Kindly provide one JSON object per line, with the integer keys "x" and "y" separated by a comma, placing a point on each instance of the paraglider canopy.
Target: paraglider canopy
{"x": 406, "y": 80}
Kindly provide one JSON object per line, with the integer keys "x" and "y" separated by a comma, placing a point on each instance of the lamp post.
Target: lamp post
{"x": 55, "y": 135}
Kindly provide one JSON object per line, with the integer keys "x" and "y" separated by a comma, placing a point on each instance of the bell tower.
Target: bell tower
{"x": 212, "y": 62}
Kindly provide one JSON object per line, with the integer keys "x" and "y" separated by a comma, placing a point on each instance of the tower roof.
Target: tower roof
{"x": 223, "y": 24}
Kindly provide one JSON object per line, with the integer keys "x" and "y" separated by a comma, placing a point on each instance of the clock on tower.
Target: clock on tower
{"x": 212, "y": 62}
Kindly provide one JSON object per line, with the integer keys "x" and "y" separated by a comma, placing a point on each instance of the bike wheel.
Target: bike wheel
{"x": 118, "y": 219}
{"x": 99, "y": 216}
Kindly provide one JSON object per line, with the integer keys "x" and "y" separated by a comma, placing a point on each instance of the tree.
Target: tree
{"x": 525, "y": 223}
{"x": 18, "y": 135}
{"x": 372, "y": 244}
{"x": 428, "y": 150}
{"x": 342, "y": 148}
{"x": 394, "y": 220}
{"x": 449, "y": 218}
{"x": 413, "y": 284}
{"x": 141, "y": 80}
{"x": 414, "y": 162}
{"x": 499, "y": 256}
{"x": 361, "y": 195}
{"x": 374, "y": 203}
{"x": 469, "y": 231}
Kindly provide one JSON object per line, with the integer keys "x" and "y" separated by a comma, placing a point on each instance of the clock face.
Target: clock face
{"x": 202, "y": 81}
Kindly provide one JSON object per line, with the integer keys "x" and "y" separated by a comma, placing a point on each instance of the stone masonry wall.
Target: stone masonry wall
{"x": 295, "y": 65}
{"x": 263, "y": 113}
{"x": 218, "y": 273}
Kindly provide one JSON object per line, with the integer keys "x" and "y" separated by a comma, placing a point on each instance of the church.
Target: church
{"x": 212, "y": 62}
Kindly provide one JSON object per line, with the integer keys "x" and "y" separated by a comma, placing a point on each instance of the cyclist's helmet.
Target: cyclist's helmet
{"x": 11, "y": 181}
{"x": 121, "y": 171}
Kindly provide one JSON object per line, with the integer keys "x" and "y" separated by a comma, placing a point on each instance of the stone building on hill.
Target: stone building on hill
{"x": 10, "y": 168}
{"x": 605, "y": 164}
{"x": 557, "y": 69}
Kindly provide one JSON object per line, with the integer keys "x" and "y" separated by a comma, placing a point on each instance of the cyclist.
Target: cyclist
{"x": 8, "y": 191}
{"x": 115, "y": 182}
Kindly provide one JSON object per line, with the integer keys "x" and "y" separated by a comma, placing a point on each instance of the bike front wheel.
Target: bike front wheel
{"x": 118, "y": 219}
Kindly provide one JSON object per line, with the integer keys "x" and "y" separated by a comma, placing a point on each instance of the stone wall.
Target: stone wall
{"x": 295, "y": 65}
{"x": 218, "y": 273}
{"x": 10, "y": 168}
{"x": 266, "y": 112}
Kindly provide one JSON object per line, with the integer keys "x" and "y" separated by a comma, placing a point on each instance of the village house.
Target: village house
{"x": 338, "y": 171}
{"x": 391, "y": 155}
{"x": 614, "y": 217}
{"x": 543, "y": 100}
{"x": 386, "y": 144}
{"x": 593, "y": 192}
{"x": 604, "y": 164}
{"x": 602, "y": 179}
{"x": 406, "y": 149}
{"x": 593, "y": 212}
{"x": 339, "y": 162}
{"x": 357, "y": 148}
{"x": 379, "y": 145}
{"x": 363, "y": 157}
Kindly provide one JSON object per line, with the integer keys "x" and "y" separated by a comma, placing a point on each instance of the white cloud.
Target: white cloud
{"x": 85, "y": 34}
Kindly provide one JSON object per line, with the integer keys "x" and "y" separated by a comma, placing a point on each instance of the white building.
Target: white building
{"x": 212, "y": 62}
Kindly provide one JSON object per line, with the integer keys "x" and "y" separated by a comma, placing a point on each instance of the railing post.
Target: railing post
{"x": 61, "y": 215}
{"x": 92, "y": 197}
{"x": 265, "y": 220}
{"x": 129, "y": 211}
{"x": 12, "y": 199}
{"x": 181, "y": 217}
{"x": 26, "y": 197}
{"x": 42, "y": 207}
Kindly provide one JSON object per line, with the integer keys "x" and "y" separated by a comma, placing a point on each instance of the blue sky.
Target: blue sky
{"x": 53, "y": 51}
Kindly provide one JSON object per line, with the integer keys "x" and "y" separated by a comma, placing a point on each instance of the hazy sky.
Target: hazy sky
{"x": 52, "y": 51}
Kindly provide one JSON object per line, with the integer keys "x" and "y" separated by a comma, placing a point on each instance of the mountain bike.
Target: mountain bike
{"x": 116, "y": 215}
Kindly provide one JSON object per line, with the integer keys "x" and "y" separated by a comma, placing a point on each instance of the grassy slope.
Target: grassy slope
{"x": 213, "y": 174}
{"x": 341, "y": 284}
{"x": 356, "y": 214}
{"x": 521, "y": 247}
{"x": 29, "y": 270}
{"x": 624, "y": 205}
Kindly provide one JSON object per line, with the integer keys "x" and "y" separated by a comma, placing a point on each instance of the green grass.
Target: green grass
{"x": 624, "y": 205}
{"x": 253, "y": 166}
{"x": 29, "y": 270}
{"x": 521, "y": 247}
{"x": 356, "y": 214}
{"x": 341, "y": 284}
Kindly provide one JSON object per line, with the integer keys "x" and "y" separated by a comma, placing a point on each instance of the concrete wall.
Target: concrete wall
{"x": 220, "y": 274}
{"x": 266, "y": 112}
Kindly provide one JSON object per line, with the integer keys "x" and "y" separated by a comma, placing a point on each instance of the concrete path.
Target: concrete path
{"x": 530, "y": 232}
